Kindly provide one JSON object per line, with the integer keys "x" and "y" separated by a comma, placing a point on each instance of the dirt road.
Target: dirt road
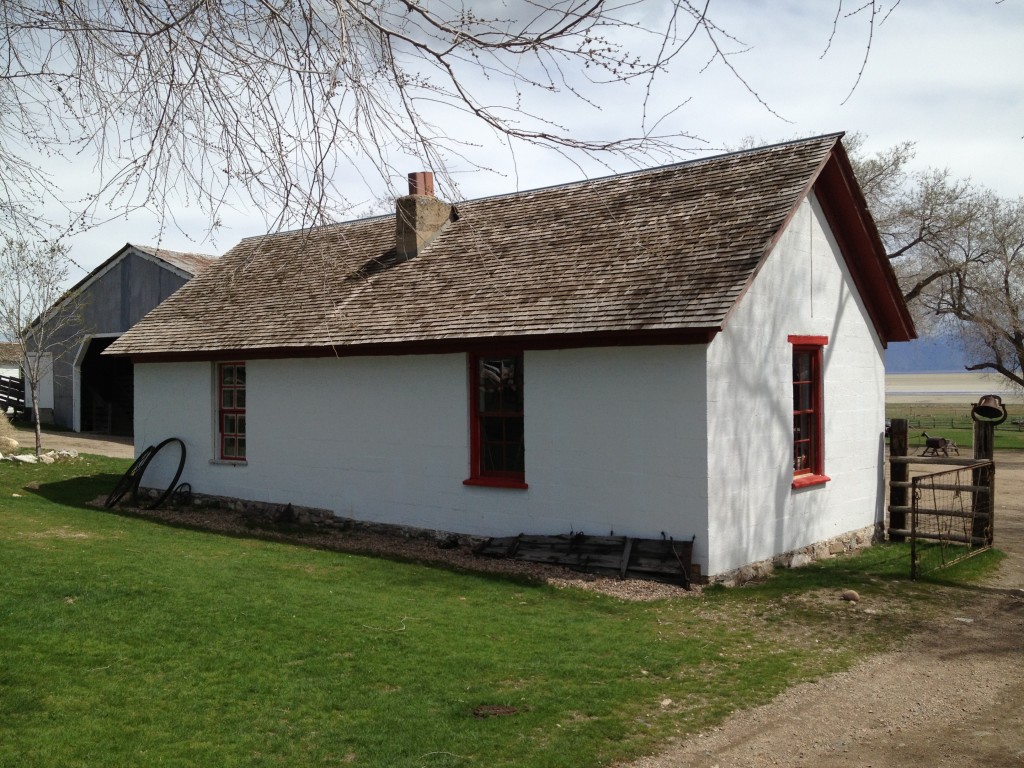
{"x": 83, "y": 442}
{"x": 953, "y": 696}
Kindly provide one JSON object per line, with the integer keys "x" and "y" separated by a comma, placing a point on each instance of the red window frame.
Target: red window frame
{"x": 496, "y": 406}
{"x": 231, "y": 411}
{"x": 808, "y": 411}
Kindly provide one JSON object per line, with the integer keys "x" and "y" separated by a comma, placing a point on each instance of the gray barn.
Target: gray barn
{"x": 88, "y": 392}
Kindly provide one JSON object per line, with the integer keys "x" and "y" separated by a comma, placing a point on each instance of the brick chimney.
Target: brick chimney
{"x": 419, "y": 216}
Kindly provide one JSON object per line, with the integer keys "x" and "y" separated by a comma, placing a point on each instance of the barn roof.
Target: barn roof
{"x": 185, "y": 265}
{"x": 191, "y": 263}
{"x": 656, "y": 255}
{"x": 10, "y": 352}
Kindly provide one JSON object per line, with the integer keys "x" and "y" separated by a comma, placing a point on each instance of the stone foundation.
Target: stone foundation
{"x": 261, "y": 513}
{"x": 797, "y": 558}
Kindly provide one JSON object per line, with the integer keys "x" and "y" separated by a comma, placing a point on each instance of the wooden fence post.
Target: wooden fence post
{"x": 898, "y": 473}
{"x": 984, "y": 450}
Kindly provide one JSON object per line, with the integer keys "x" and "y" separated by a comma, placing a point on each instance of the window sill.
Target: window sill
{"x": 496, "y": 482}
{"x": 805, "y": 481}
{"x": 230, "y": 462}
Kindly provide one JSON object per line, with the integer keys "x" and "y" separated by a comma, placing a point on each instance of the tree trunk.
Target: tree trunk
{"x": 35, "y": 419}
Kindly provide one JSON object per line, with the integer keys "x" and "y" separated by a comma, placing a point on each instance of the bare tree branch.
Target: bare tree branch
{"x": 958, "y": 251}
{"x": 280, "y": 102}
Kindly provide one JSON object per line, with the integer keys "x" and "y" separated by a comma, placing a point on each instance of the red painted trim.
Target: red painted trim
{"x": 483, "y": 345}
{"x": 817, "y": 456}
{"x": 474, "y": 425}
{"x": 846, "y": 212}
{"x": 808, "y": 341}
{"x": 223, "y": 455}
{"x": 495, "y": 482}
{"x": 476, "y": 474}
{"x": 808, "y": 480}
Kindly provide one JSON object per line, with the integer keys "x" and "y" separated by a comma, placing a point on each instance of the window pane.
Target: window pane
{"x": 803, "y": 397}
{"x": 801, "y": 366}
{"x": 241, "y": 448}
{"x": 490, "y": 457}
{"x": 514, "y": 429}
{"x": 229, "y": 424}
{"x": 490, "y": 401}
{"x": 239, "y": 398}
{"x": 227, "y": 374}
{"x": 802, "y": 457}
{"x": 240, "y": 375}
{"x": 229, "y": 446}
{"x": 492, "y": 429}
{"x": 240, "y": 425}
{"x": 227, "y": 398}
{"x": 511, "y": 396}
{"x": 514, "y": 458}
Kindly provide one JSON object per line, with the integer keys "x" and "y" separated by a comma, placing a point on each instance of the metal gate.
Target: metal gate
{"x": 951, "y": 516}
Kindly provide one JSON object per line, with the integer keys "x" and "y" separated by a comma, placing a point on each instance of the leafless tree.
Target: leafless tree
{"x": 35, "y": 310}
{"x": 958, "y": 250}
{"x": 986, "y": 293}
{"x": 279, "y": 101}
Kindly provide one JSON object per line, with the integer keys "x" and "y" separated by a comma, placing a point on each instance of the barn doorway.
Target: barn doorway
{"x": 108, "y": 391}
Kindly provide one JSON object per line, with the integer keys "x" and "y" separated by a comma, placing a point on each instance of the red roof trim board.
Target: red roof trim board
{"x": 853, "y": 227}
{"x": 448, "y": 346}
{"x": 847, "y": 214}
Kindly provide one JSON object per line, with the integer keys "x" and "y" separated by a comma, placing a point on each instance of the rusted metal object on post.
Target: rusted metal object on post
{"x": 989, "y": 410}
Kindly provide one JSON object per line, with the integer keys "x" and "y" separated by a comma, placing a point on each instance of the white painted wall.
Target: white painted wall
{"x": 687, "y": 440}
{"x": 614, "y": 440}
{"x": 803, "y": 289}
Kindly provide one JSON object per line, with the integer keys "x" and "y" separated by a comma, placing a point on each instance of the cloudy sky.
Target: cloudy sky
{"x": 946, "y": 74}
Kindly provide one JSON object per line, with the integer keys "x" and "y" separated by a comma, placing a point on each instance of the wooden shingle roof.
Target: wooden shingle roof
{"x": 655, "y": 255}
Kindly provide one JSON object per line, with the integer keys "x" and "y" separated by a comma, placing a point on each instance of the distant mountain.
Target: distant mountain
{"x": 929, "y": 354}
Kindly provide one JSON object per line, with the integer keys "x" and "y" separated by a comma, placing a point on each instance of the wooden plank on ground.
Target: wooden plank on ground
{"x": 623, "y": 556}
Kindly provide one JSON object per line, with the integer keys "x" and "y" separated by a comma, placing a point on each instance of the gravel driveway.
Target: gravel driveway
{"x": 83, "y": 442}
{"x": 952, "y": 696}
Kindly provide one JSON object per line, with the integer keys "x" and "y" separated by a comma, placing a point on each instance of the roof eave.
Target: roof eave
{"x": 640, "y": 337}
{"x": 847, "y": 213}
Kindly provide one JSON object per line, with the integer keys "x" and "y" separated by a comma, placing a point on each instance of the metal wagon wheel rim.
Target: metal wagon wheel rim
{"x": 177, "y": 475}
{"x": 130, "y": 478}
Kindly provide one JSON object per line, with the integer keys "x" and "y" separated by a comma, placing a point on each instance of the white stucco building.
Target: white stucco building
{"x": 694, "y": 351}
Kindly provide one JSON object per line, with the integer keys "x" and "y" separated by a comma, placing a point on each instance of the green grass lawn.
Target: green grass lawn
{"x": 126, "y": 642}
